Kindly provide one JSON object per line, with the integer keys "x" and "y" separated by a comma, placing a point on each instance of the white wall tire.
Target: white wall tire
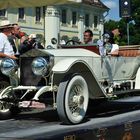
{"x": 72, "y": 99}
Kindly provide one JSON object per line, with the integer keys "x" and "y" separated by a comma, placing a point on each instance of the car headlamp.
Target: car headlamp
{"x": 8, "y": 66}
{"x": 40, "y": 66}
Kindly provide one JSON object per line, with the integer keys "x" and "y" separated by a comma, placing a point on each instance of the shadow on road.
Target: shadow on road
{"x": 96, "y": 109}
{"x": 38, "y": 114}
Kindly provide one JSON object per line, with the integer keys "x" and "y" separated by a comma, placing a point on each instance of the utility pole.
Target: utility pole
{"x": 128, "y": 37}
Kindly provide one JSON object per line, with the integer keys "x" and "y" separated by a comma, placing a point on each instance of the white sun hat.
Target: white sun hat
{"x": 32, "y": 36}
{"x": 5, "y": 24}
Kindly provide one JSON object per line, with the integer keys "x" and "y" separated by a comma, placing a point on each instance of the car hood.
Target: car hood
{"x": 59, "y": 52}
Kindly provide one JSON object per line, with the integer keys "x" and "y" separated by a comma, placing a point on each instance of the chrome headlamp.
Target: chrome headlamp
{"x": 40, "y": 66}
{"x": 8, "y": 66}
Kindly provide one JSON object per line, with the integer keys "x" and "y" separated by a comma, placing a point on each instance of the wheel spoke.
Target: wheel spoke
{"x": 74, "y": 105}
{"x": 1, "y": 106}
{"x": 4, "y": 106}
{"x": 75, "y": 108}
{"x": 77, "y": 89}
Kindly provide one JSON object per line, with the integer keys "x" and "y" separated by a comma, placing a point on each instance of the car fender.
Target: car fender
{"x": 64, "y": 65}
{"x": 73, "y": 66}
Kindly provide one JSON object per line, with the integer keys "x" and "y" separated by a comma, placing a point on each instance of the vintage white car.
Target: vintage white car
{"x": 70, "y": 76}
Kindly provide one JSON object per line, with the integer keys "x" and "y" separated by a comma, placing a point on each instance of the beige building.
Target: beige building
{"x": 62, "y": 22}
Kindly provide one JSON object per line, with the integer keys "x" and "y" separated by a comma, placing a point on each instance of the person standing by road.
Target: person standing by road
{"x": 15, "y": 38}
{"x": 6, "y": 49}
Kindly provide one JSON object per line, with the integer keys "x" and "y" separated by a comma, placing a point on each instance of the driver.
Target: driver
{"x": 88, "y": 36}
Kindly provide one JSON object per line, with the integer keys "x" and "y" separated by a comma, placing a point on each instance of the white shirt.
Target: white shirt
{"x": 114, "y": 47}
{"x": 102, "y": 49}
{"x": 5, "y": 46}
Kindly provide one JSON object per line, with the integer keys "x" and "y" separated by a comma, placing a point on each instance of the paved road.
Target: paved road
{"x": 46, "y": 123}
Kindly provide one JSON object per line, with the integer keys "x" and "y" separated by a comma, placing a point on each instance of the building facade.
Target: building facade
{"x": 63, "y": 22}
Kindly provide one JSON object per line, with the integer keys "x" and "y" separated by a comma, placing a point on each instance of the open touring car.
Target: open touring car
{"x": 70, "y": 76}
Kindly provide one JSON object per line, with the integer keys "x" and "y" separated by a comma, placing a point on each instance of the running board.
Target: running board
{"x": 135, "y": 100}
{"x": 32, "y": 104}
{"x": 132, "y": 92}
{"x": 124, "y": 104}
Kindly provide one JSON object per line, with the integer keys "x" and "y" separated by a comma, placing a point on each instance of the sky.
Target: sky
{"x": 114, "y": 9}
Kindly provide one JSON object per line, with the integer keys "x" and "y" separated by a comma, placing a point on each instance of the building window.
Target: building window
{"x": 38, "y": 14}
{"x": 3, "y": 13}
{"x": 21, "y": 13}
{"x": 87, "y": 20}
{"x": 64, "y": 16}
{"x": 74, "y": 17}
{"x": 95, "y": 21}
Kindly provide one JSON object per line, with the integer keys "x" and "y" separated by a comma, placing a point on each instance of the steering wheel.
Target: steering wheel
{"x": 72, "y": 42}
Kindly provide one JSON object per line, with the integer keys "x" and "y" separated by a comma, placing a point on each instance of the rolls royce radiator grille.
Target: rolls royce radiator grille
{"x": 27, "y": 77}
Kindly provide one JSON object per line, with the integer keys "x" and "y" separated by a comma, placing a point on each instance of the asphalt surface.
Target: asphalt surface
{"x": 33, "y": 124}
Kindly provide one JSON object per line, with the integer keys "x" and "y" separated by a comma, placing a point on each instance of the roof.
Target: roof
{"x": 96, "y": 3}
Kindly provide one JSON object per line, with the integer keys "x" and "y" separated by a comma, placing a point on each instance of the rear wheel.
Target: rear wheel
{"x": 72, "y": 99}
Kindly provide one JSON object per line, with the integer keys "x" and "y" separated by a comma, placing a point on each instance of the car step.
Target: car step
{"x": 132, "y": 92}
{"x": 32, "y": 104}
{"x": 127, "y": 100}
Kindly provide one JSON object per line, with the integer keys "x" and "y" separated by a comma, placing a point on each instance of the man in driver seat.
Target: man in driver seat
{"x": 88, "y": 36}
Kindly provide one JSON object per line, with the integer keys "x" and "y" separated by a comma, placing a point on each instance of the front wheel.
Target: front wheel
{"x": 7, "y": 109}
{"x": 72, "y": 99}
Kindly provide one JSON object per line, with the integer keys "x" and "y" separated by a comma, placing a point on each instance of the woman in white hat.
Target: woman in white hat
{"x": 6, "y": 49}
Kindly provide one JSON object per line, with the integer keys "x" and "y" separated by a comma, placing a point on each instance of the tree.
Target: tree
{"x": 134, "y": 25}
{"x": 110, "y": 25}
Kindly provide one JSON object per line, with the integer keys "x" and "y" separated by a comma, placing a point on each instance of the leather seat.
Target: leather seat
{"x": 131, "y": 52}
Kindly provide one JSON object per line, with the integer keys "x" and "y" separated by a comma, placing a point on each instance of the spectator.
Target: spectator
{"x": 30, "y": 43}
{"x": 102, "y": 49}
{"x": 117, "y": 35}
{"x": 16, "y": 39}
{"x": 6, "y": 49}
{"x": 88, "y": 35}
{"x": 109, "y": 44}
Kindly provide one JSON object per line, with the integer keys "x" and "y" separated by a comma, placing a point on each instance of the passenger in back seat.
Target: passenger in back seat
{"x": 109, "y": 44}
{"x": 102, "y": 49}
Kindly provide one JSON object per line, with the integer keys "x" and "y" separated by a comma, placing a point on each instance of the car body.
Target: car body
{"x": 70, "y": 75}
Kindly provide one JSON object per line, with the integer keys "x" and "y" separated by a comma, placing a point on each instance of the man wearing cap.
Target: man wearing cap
{"x": 6, "y": 49}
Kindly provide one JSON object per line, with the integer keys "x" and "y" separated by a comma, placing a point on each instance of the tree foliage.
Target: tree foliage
{"x": 134, "y": 25}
